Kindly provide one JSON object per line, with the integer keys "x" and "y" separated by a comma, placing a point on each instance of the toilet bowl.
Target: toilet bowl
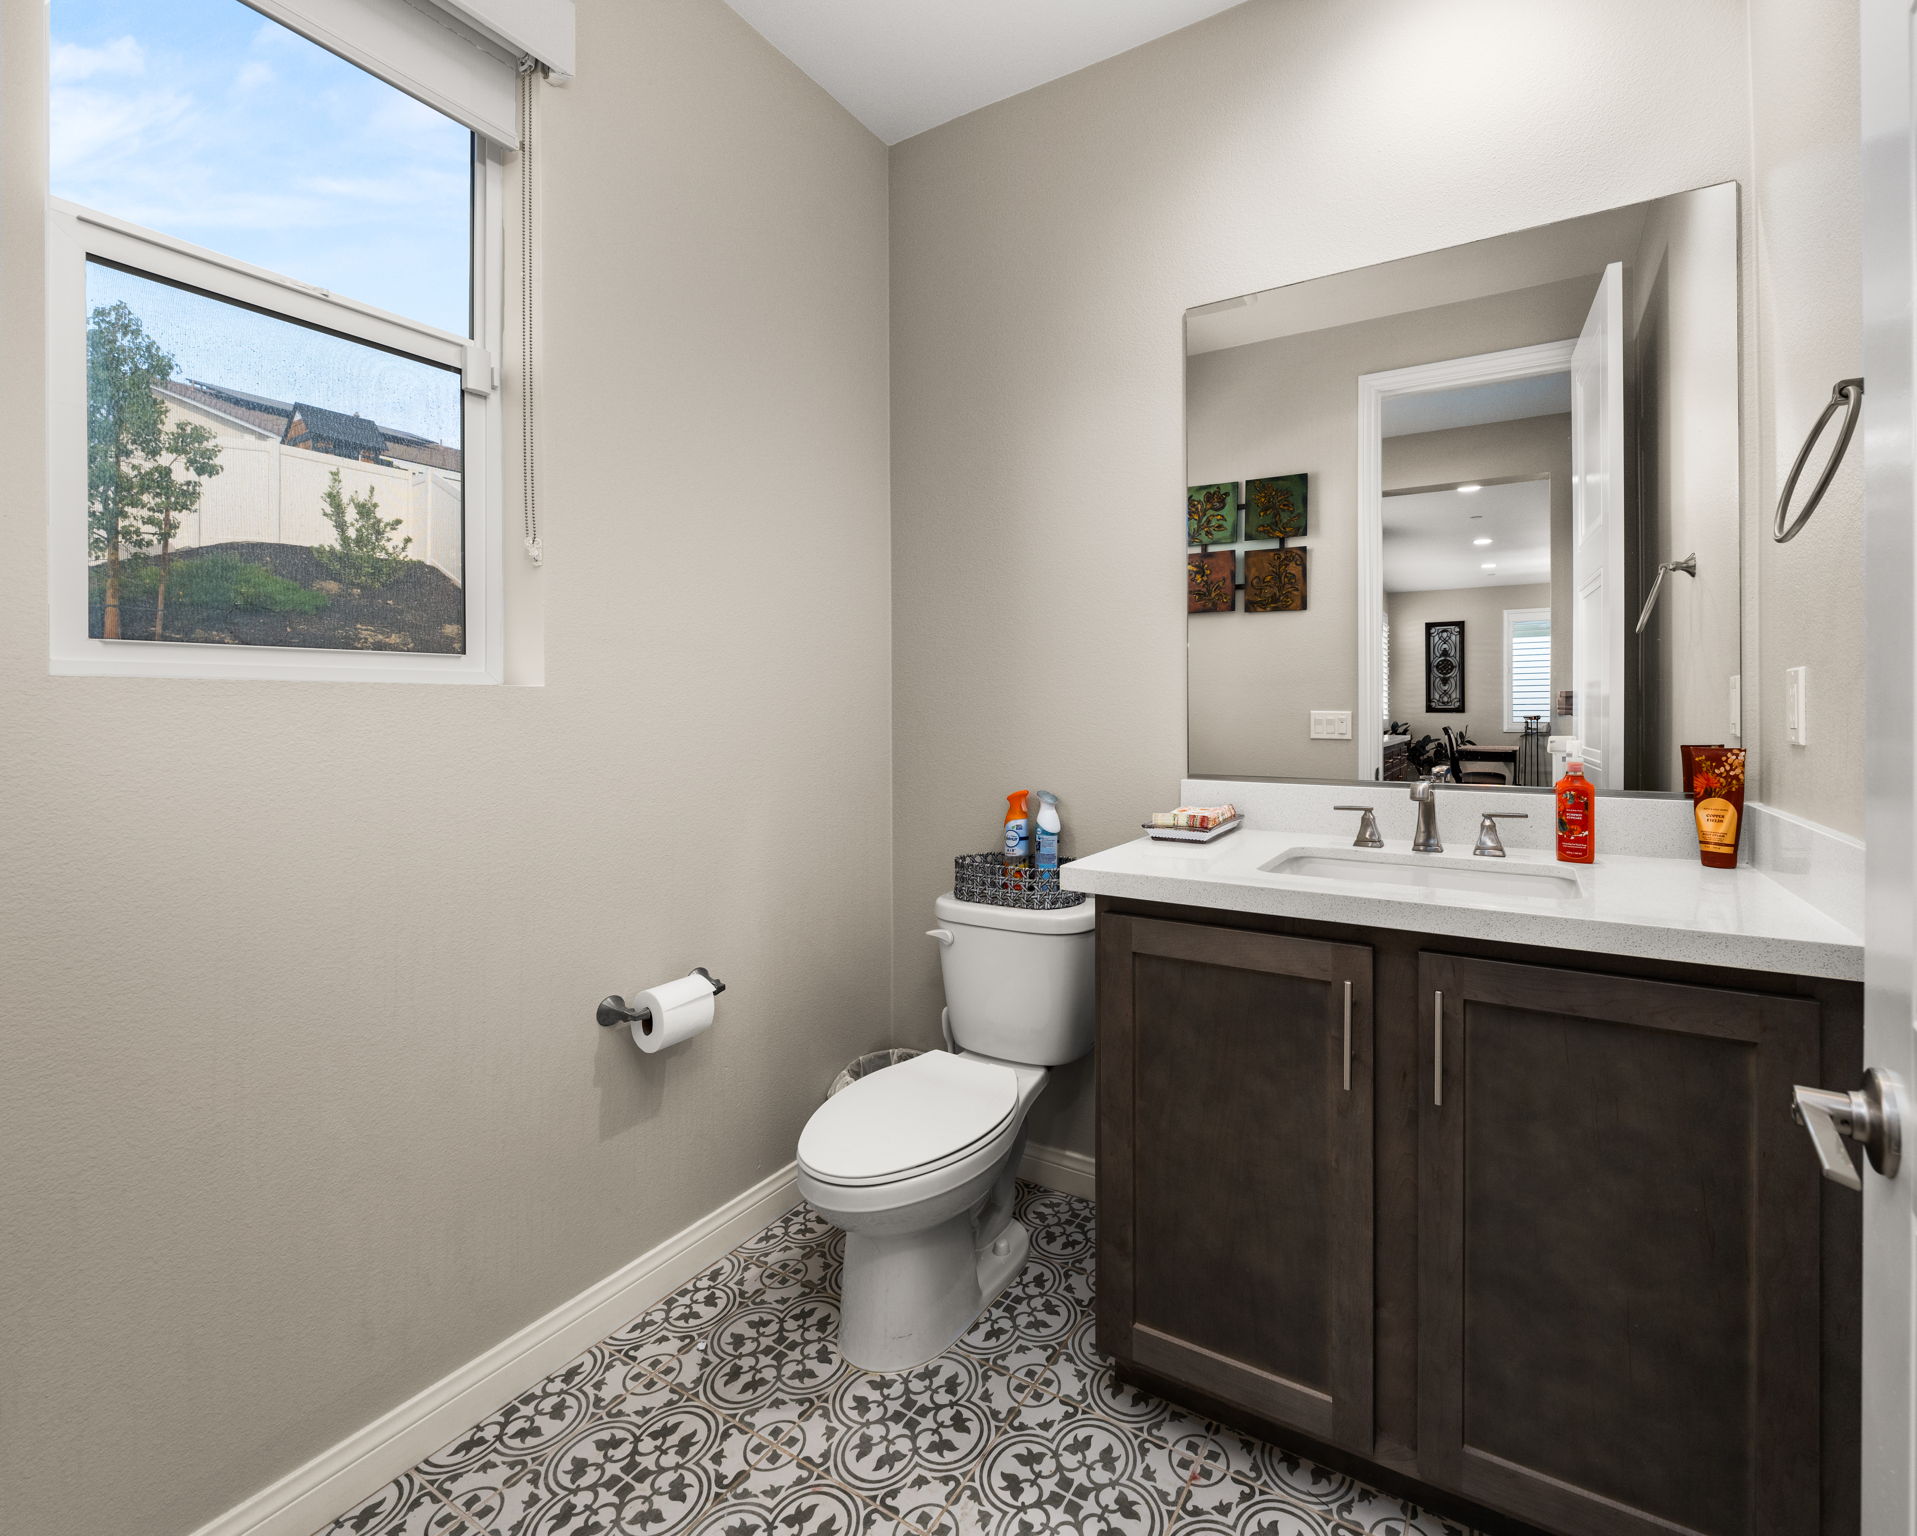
{"x": 917, "y": 1164}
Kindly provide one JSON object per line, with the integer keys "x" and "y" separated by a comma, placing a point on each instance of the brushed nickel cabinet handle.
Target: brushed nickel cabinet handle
{"x": 1437, "y": 1049}
{"x": 1347, "y": 1037}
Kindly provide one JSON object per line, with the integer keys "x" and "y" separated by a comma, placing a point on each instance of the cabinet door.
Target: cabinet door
{"x": 1234, "y": 1168}
{"x": 1618, "y": 1252}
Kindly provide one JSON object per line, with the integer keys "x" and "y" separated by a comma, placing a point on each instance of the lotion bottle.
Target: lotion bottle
{"x": 1576, "y": 816}
{"x": 1018, "y": 829}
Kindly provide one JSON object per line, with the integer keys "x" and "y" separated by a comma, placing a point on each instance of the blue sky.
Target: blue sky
{"x": 204, "y": 120}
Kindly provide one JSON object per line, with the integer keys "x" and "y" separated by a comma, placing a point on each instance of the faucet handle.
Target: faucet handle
{"x": 1490, "y": 845}
{"x": 1367, "y": 827}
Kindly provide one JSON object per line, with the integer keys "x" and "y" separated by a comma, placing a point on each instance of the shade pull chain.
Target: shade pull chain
{"x": 530, "y": 71}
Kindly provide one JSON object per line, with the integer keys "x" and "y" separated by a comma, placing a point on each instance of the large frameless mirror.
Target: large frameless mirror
{"x": 1444, "y": 510}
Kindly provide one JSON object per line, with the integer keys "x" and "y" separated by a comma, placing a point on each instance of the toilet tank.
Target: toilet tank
{"x": 1018, "y": 984}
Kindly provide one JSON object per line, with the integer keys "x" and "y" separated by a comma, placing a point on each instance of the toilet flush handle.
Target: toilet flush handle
{"x": 943, "y": 935}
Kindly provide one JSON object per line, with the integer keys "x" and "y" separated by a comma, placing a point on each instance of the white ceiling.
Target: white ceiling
{"x": 902, "y": 66}
{"x": 1477, "y": 405}
{"x": 1428, "y": 534}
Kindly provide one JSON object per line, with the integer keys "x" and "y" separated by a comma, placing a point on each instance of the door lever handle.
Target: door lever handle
{"x": 1871, "y": 1115}
{"x": 1830, "y": 1118}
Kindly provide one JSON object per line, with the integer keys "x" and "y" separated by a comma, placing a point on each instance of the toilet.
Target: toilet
{"x": 917, "y": 1163}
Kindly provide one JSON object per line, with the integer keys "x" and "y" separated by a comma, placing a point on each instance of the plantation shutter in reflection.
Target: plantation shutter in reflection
{"x": 1528, "y": 636}
{"x": 1384, "y": 671}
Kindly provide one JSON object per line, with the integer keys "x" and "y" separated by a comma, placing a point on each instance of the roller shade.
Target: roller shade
{"x": 460, "y": 57}
{"x": 541, "y": 29}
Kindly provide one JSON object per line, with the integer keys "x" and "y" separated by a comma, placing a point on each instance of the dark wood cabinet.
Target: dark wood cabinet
{"x": 1237, "y": 1071}
{"x": 1617, "y": 1252}
{"x": 1558, "y": 1259}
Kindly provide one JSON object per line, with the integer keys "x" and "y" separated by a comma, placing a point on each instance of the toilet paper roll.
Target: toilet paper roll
{"x": 679, "y": 1009}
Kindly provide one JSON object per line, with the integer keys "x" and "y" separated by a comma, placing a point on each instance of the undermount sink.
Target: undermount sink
{"x": 1426, "y": 872}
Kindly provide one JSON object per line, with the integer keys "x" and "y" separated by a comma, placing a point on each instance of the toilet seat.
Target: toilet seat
{"x": 910, "y": 1119}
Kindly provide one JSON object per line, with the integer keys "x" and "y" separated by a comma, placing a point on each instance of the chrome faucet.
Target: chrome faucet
{"x": 1424, "y": 795}
{"x": 1490, "y": 845}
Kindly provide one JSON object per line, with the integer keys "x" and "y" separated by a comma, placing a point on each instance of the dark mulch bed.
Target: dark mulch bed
{"x": 421, "y": 609}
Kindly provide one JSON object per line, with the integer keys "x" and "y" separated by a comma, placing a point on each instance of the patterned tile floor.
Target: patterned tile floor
{"x": 728, "y": 1411}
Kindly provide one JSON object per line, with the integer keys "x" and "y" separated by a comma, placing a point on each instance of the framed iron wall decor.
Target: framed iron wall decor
{"x": 1274, "y": 580}
{"x": 1444, "y": 667}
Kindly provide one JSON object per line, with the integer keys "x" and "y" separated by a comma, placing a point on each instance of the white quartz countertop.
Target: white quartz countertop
{"x": 1654, "y": 908}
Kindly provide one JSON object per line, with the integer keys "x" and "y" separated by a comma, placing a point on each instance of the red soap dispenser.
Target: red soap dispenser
{"x": 1577, "y": 818}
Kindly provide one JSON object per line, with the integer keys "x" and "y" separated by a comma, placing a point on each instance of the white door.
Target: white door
{"x": 1890, "y": 580}
{"x": 1597, "y": 534}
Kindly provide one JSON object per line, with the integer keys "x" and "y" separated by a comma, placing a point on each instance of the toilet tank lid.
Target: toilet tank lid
{"x": 1079, "y": 919}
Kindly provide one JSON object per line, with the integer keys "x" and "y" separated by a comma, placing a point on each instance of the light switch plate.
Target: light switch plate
{"x": 1331, "y": 725}
{"x": 1797, "y": 706}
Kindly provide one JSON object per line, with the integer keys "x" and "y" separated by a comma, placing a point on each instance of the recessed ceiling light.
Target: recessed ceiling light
{"x": 1489, "y": 565}
{"x": 1480, "y": 541}
{"x": 1466, "y": 490}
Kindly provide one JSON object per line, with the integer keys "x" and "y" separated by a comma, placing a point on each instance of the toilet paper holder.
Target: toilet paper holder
{"x": 612, "y": 1011}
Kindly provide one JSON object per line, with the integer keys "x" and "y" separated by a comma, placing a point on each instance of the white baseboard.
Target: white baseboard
{"x": 364, "y": 1462}
{"x": 1071, "y": 1173}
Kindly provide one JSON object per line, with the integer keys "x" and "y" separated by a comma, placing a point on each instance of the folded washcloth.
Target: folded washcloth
{"x": 1196, "y": 818}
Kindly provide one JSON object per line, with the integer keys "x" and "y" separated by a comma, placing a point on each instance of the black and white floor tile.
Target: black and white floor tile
{"x": 727, "y": 1410}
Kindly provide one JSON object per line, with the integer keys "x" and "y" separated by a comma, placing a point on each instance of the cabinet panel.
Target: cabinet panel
{"x": 1618, "y": 1252}
{"x": 1235, "y": 1168}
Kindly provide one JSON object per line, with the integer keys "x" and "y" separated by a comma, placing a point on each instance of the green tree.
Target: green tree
{"x": 366, "y": 555}
{"x": 143, "y": 475}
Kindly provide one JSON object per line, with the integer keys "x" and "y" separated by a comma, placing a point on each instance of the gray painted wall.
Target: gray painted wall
{"x": 1045, "y": 250}
{"x": 301, "y": 1101}
{"x": 1482, "y": 610}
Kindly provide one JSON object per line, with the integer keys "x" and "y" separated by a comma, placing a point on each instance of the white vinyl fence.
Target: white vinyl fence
{"x": 269, "y": 493}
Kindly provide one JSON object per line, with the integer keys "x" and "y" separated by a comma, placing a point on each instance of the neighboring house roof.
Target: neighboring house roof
{"x": 272, "y": 407}
{"x": 223, "y": 411}
{"x": 222, "y": 403}
{"x": 431, "y": 455}
{"x": 346, "y": 435}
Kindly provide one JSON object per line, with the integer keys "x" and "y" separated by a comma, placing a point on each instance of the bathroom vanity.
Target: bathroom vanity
{"x": 1481, "y": 1188}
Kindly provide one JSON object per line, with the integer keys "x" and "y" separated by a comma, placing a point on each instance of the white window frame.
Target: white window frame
{"x": 75, "y": 233}
{"x": 1512, "y": 618}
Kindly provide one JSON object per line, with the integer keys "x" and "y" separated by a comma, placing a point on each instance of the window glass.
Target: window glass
{"x": 204, "y": 120}
{"x": 255, "y": 481}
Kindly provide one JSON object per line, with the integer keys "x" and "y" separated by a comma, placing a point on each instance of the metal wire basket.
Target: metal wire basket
{"x": 987, "y": 878}
{"x": 866, "y": 1065}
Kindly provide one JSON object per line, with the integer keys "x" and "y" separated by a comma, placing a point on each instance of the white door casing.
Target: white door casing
{"x": 1890, "y": 578}
{"x": 1598, "y": 478}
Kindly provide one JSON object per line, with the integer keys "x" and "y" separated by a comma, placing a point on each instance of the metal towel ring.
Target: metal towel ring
{"x": 1847, "y": 391}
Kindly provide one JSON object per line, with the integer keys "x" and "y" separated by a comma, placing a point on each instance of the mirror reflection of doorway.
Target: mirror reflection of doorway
{"x": 1477, "y": 553}
{"x": 1466, "y": 516}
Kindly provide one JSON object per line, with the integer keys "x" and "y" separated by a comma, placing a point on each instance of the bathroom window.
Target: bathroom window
{"x": 274, "y": 307}
{"x": 1527, "y": 665}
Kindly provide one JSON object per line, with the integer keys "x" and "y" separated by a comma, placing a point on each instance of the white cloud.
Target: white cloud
{"x": 72, "y": 61}
{"x": 253, "y": 75}
{"x": 95, "y": 131}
